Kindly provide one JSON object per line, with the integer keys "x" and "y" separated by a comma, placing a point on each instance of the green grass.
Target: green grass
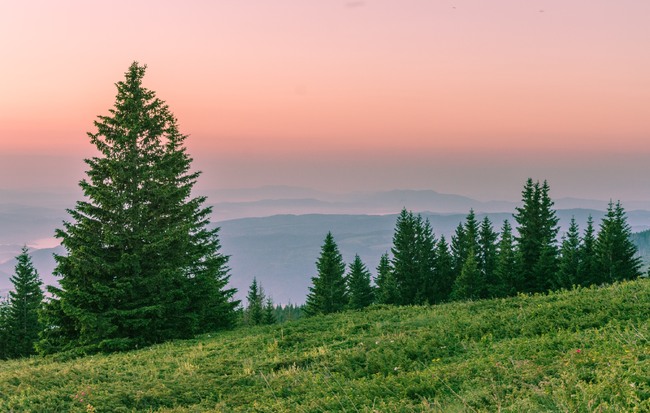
{"x": 573, "y": 351}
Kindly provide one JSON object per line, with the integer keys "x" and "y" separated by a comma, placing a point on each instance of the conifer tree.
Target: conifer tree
{"x": 254, "y": 313}
{"x": 536, "y": 241}
{"x": 487, "y": 240}
{"x": 328, "y": 293}
{"x": 406, "y": 256}
{"x": 615, "y": 252}
{"x": 269, "y": 313}
{"x": 25, "y": 301}
{"x": 458, "y": 249}
{"x": 569, "y": 265}
{"x": 359, "y": 289}
{"x": 470, "y": 284}
{"x": 444, "y": 272}
{"x": 464, "y": 240}
{"x": 507, "y": 279}
{"x": 425, "y": 291}
{"x": 142, "y": 265}
{"x": 386, "y": 292}
{"x": 587, "y": 268}
{"x": 4, "y": 329}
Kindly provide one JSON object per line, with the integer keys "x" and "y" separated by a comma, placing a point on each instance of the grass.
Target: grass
{"x": 573, "y": 351}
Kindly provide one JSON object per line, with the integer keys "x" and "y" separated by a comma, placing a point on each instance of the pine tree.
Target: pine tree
{"x": 142, "y": 265}
{"x": 4, "y": 329}
{"x": 464, "y": 241}
{"x": 328, "y": 293}
{"x": 25, "y": 302}
{"x": 536, "y": 242}
{"x": 386, "y": 292}
{"x": 254, "y": 312}
{"x": 487, "y": 240}
{"x": 425, "y": 291}
{"x": 587, "y": 268}
{"x": 569, "y": 265}
{"x": 269, "y": 313}
{"x": 615, "y": 252}
{"x": 507, "y": 279}
{"x": 406, "y": 255}
{"x": 470, "y": 283}
{"x": 458, "y": 249}
{"x": 359, "y": 289}
{"x": 444, "y": 272}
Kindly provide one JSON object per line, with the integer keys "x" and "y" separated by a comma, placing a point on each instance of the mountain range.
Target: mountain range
{"x": 280, "y": 247}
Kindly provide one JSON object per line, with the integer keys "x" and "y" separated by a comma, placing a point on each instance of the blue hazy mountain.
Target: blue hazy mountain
{"x": 281, "y": 250}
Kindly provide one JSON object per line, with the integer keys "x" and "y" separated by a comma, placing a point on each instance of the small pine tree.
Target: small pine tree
{"x": 569, "y": 265}
{"x": 458, "y": 249}
{"x": 615, "y": 252}
{"x": 25, "y": 301}
{"x": 444, "y": 272}
{"x": 507, "y": 280}
{"x": 386, "y": 292}
{"x": 470, "y": 283}
{"x": 487, "y": 240}
{"x": 359, "y": 289}
{"x": 328, "y": 293}
{"x": 425, "y": 290}
{"x": 269, "y": 313}
{"x": 254, "y": 312}
{"x": 4, "y": 329}
{"x": 587, "y": 267}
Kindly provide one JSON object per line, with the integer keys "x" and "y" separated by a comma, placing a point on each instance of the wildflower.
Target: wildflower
{"x": 578, "y": 351}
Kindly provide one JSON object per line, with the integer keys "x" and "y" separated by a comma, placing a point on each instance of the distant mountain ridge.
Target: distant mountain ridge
{"x": 278, "y": 240}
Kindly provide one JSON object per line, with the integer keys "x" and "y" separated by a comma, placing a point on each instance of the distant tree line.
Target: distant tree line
{"x": 260, "y": 309}
{"x": 480, "y": 262}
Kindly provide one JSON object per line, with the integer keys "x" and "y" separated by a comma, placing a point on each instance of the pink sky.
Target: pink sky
{"x": 465, "y": 96}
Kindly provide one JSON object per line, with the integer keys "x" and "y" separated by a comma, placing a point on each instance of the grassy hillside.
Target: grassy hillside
{"x": 583, "y": 350}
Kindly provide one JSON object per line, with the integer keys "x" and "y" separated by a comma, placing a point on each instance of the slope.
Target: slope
{"x": 580, "y": 350}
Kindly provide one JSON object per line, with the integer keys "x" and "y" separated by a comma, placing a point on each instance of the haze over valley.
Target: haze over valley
{"x": 274, "y": 233}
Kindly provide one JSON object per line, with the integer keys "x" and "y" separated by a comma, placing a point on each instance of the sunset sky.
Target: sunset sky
{"x": 461, "y": 96}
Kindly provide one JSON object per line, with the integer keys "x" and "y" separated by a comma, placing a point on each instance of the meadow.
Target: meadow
{"x": 581, "y": 350}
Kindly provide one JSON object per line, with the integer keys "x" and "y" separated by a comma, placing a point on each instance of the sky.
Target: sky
{"x": 461, "y": 96}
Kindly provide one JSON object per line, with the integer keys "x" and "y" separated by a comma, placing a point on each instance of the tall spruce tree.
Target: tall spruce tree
{"x": 254, "y": 312}
{"x": 359, "y": 289}
{"x": 587, "y": 268}
{"x": 569, "y": 265}
{"x": 538, "y": 228}
{"x": 615, "y": 252}
{"x": 25, "y": 302}
{"x": 507, "y": 279}
{"x": 142, "y": 264}
{"x": 487, "y": 240}
{"x": 328, "y": 293}
{"x": 386, "y": 292}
